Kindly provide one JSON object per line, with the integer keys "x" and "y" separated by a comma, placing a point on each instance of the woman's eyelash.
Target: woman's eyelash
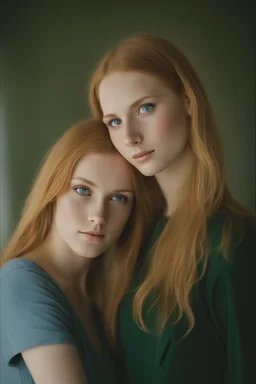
{"x": 118, "y": 122}
{"x": 117, "y": 198}
{"x": 150, "y": 106}
{"x": 84, "y": 188}
{"x": 123, "y": 197}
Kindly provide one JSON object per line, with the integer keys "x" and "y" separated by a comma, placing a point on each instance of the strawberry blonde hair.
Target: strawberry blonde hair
{"x": 54, "y": 178}
{"x": 173, "y": 274}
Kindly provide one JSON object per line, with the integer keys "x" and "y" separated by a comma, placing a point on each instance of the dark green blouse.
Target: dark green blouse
{"x": 221, "y": 348}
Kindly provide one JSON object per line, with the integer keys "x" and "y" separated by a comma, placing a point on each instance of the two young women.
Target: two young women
{"x": 178, "y": 305}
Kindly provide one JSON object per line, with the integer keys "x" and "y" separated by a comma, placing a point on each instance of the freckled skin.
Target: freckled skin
{"x": 85, "y": 208}
{"x": 162, "y": 125}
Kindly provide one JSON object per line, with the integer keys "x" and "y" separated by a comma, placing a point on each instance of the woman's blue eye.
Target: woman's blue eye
{"x": 82, "y": 190}
{"x": 114, "y": 122}
{"x": 120, "y": 198}
{"x": 146, "y": 108}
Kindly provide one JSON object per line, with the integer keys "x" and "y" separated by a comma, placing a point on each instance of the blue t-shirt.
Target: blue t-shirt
{"x": 34, "y": 311}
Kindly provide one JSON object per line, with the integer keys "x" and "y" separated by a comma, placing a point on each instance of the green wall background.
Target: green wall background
{"x": 49, "y": 52}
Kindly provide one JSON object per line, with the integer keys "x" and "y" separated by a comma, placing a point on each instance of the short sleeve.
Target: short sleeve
{"x": 33, "y": 313}
{"x": 234, "y": 310}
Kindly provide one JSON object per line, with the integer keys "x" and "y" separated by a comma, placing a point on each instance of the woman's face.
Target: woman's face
{"x": 147, "y": 121}
{"x": 99, "y": 200}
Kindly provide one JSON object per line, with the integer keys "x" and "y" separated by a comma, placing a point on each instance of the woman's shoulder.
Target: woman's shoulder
{"x": 21, "y": 274}
{"x": 232, "y": 245}
{"x": 27, "y": 291}
{"x": 235, "y": 231}
{"x": 18, "y": 266}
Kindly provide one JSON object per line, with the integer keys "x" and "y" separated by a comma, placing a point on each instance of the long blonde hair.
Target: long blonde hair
{"x": 54, "y": 178}
{"x": 173, "y": 274}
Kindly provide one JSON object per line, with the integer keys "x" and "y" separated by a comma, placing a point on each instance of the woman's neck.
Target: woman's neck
{"x": 68, "y": 269}
{"x": 172, "y": 179}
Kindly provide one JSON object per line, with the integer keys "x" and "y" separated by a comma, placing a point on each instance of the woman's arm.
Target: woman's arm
{"x": 55, "y": 364}
{"x": 38, "y": 326}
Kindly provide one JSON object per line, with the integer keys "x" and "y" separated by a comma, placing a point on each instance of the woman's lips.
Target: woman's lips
{"x": 142, "y": 155}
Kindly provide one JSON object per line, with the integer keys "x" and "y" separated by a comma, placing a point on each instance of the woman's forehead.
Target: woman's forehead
{"x": 121, "y": 89}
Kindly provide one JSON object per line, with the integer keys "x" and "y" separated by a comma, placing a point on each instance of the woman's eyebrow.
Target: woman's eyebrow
{"x": 132, "y": 106}
{"x": 95, "y": 185}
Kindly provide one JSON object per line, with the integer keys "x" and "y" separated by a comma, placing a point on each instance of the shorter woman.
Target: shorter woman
{"x": 83, "y": 201}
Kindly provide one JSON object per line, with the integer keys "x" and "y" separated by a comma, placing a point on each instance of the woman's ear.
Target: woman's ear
{"x": 187, "y": 104}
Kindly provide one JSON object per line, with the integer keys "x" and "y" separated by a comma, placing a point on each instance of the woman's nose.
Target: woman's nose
{"x": 132, "y": 135}
{"x": 97, "y": 219}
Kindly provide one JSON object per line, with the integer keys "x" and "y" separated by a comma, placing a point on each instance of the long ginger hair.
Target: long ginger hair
{"x": 173, "y": 274}
{"x": 54, "y": 178}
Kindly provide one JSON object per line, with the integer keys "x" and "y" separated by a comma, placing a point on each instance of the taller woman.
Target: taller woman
{"x": 188, "y": 314}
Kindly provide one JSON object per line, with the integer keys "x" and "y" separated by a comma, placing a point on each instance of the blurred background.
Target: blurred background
{"x": 49, "y": 51}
